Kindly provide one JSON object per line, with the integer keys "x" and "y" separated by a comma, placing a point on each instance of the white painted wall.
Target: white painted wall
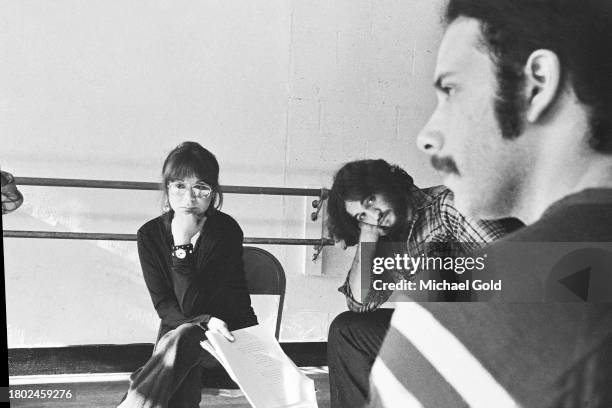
{"x": 282, "y": 91}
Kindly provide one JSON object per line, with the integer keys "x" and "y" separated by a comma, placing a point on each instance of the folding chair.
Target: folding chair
{"x": 265, "y": 276}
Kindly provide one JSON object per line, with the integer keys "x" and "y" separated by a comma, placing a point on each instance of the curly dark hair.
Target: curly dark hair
{"x": 578, "y": 32}
{"x": 358, "y": 180}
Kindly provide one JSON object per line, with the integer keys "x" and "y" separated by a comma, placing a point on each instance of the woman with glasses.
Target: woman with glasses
{"x": 191, "y": 258}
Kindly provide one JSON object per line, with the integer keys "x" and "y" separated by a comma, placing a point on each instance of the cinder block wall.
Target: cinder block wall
{"x": 282, "y": 91}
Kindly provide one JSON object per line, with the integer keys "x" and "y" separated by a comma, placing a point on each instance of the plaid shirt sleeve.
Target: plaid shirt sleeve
{"x": 374, "y": 299}
{"x": 471, "y": 233}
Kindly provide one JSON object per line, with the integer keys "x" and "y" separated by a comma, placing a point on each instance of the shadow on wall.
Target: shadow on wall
{"x": 68, "y": 292}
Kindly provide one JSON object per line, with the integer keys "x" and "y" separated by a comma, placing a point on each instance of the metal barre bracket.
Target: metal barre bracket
{"x": 318, "y": 203}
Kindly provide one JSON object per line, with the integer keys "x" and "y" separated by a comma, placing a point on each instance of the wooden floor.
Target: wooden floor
{"x": 108, "y": 394}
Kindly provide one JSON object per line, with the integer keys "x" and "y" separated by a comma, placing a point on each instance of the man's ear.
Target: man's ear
{"x": 543, "y": 82}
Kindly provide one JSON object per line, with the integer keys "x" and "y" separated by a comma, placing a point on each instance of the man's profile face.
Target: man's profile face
{"x": 462, "y": 135}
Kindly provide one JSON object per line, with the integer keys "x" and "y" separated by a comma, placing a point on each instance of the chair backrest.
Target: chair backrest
{"x": 265, "y": 276}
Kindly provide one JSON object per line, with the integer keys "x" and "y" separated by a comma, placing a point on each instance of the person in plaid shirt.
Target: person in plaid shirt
{"x": 376, "y": 202}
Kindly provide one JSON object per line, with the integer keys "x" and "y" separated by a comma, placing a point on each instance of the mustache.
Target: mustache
{"x": 444, "y": 164}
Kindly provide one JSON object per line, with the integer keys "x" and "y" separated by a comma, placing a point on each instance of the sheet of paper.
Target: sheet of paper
{"x": 268, "y": 378}
{"x": 209, "y": 347}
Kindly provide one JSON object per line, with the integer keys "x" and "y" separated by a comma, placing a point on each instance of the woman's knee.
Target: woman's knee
{"x": 187, "y": 336}
{"x": 189, "y": 329}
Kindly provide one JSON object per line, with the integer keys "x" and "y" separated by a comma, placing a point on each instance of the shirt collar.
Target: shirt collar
{"x": 419, "y": 199}
{"x": 588, "y": 196}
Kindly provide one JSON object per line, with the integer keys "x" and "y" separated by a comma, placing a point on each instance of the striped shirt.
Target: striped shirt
{"x": 506, "y": 354}
{"x": 436, "y": 229}
{"x": 502, "y": 355}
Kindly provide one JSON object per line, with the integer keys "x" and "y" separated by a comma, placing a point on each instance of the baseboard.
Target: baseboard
{"x": 113, "y": 358}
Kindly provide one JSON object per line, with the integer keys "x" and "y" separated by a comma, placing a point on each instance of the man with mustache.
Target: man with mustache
{"x": 523, "y": 128}
{"x": 372, "y": 201}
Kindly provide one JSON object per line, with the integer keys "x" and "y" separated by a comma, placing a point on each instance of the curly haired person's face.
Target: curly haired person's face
{"x": 374, "y": 210}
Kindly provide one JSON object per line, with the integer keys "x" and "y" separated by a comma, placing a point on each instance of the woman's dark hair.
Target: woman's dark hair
{"x": 191, "y": 159}
{"x": 358, "y": 180}
{"x": 578, "y": 32}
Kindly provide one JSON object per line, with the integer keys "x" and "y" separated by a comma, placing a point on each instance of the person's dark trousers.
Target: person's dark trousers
{"x": 352, "y": 345}
{"x": 172, "y": 378}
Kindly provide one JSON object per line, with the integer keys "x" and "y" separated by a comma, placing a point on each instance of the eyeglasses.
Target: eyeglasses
{"x": 200, "y": 190}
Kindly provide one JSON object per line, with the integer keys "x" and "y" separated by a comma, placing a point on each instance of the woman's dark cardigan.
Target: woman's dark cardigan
{"x": 208, "y": 283}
